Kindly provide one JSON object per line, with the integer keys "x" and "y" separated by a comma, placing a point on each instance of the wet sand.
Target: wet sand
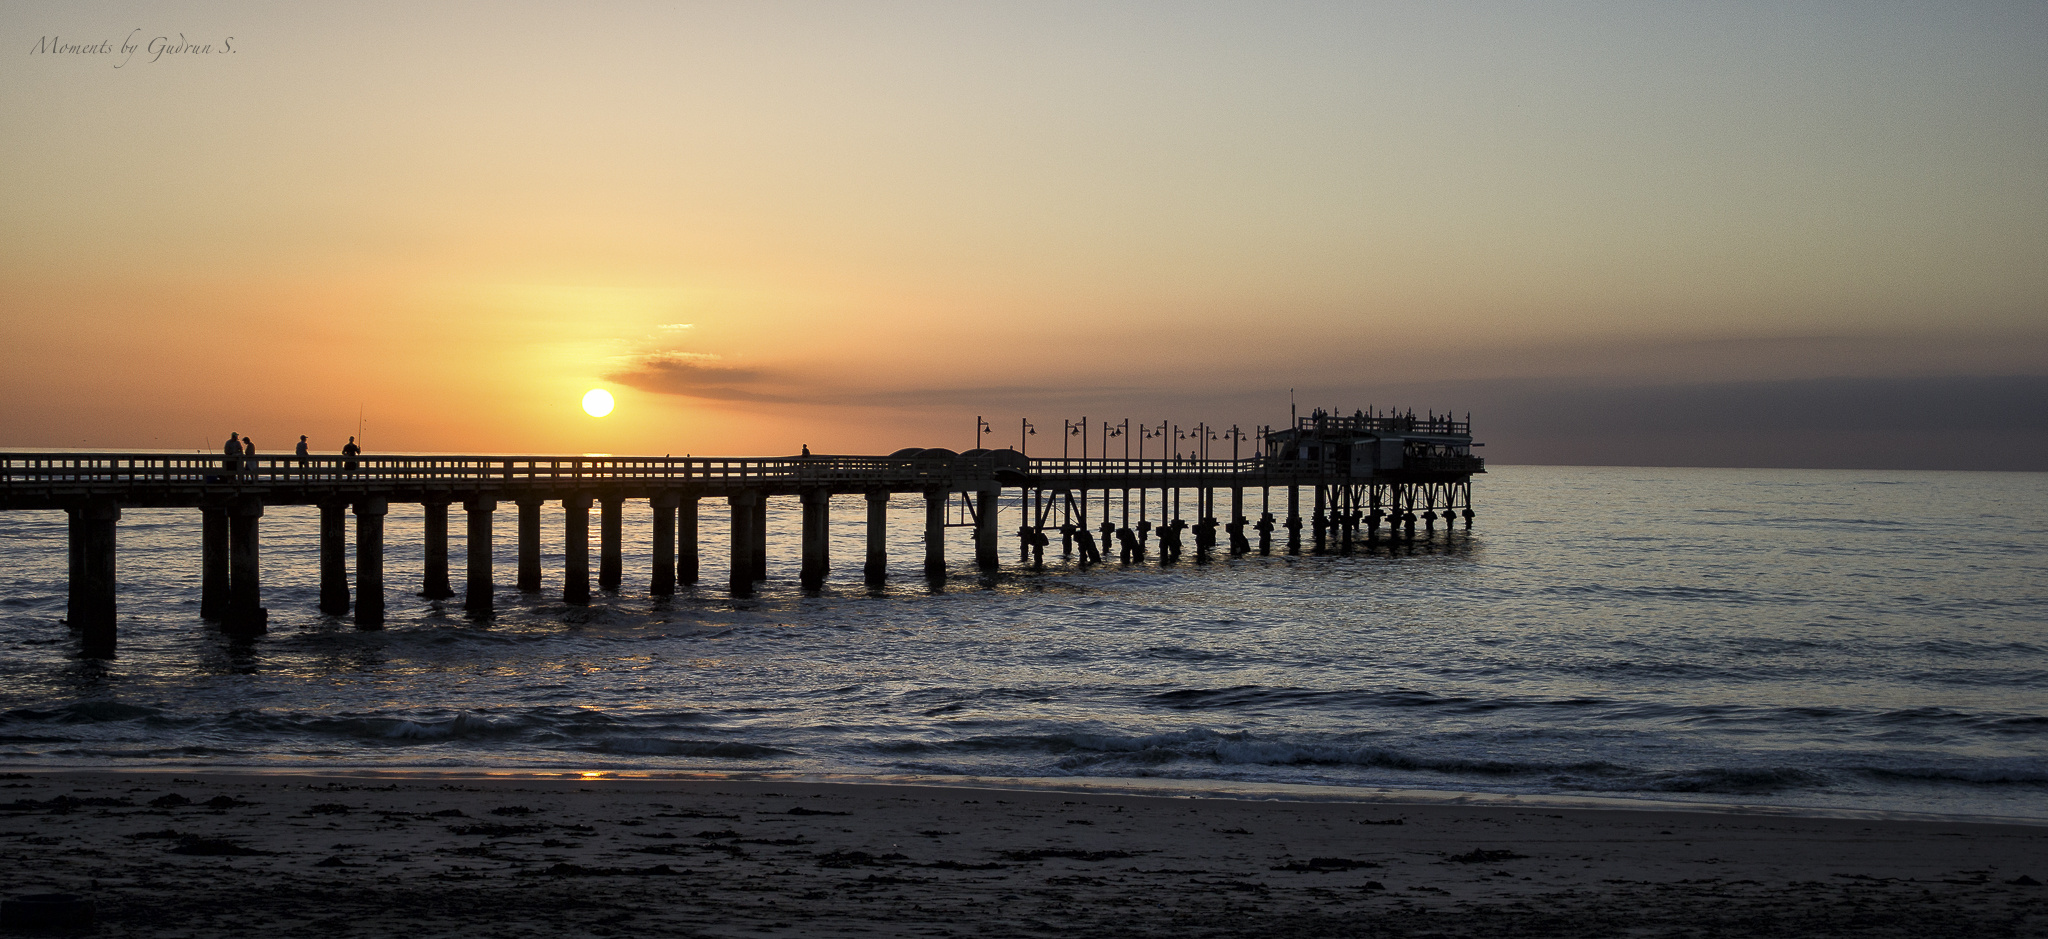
{"x": 165, "y": 854}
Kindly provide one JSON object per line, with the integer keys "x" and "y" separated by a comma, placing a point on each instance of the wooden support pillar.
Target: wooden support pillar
{"x": 1293, "y": 519}
{"x": 985, "y": 531}
{"x": 610, "y": 551}
{"x": 92, "y": 592}
{"x": 434, "y": 586}
{"x": 333, "y": 557}
{"x": 74, "y": 542}
{"x": 476, "y": 596}
{"x": 664, "y": 581}
{"x": 245, "y": 615}
{"x": 576, "y": 550}
{"x": 758, "y": 531}
{"x": 1321, "y": 520}
{"x": 876, "y": 570}
{"x": 935, "y": 533}
{"x": 741, "y": 505}
{"x": 529, "y": 544}
{"x": 686, "y": 539}
{"x": 369, "y": 563}
{"x": 213, "y": 564}
{"x": 817, "y": 533}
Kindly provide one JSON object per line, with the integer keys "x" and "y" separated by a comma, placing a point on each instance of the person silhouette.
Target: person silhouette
{"x": 249, "y": 456}
{"x": 351, "y": 451}
{"x": 302, "y": 451}
{"x": 807, "y": 449}
{"x": 233, "y": 450}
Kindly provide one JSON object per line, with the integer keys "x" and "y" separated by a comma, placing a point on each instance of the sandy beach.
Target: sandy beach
{"x": 167, "y": 854}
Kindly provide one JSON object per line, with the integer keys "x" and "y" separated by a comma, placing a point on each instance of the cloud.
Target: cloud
{"x": 677, "y": 326}
{"x": 697, "y": 375}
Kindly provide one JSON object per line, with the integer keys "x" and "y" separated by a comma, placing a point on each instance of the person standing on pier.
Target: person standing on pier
{"x": 351, "y": 451}
{"x": 249, "y": 456}
{"x": 233, "y": 450}
{"x": 302, "y": 451}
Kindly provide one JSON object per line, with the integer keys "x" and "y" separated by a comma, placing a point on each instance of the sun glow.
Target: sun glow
{"x": 597, "y": 402}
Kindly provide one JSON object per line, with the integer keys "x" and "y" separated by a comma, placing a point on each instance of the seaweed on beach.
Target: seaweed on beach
{"x": 858, "y": 859}
{"x": 1040, "y": 854}
{"x": 1483, "y": 856}
{"x": 491, "y": 830}
{"x": 1324, "y": 865}
{"x": 64, "y": 805}
{"x": 566, "y": 869}
{"x": 214, "y": 847}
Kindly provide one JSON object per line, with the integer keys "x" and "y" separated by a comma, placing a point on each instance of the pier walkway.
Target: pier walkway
{"x": 1359, "y": 472}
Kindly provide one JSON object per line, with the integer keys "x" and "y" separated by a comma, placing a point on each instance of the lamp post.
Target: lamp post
{"x": 1024, "y": 430}
{"x": 1233, "y": 435}
{"x": 979, "y": 426}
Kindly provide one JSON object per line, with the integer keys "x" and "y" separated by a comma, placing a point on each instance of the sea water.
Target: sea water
{"x": 1805, "y": 639}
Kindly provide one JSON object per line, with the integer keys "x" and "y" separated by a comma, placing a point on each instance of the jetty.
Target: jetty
{"x": 1356, "y": 473}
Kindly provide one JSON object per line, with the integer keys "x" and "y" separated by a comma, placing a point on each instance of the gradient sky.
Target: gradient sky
{"x": 1797, "y": 234}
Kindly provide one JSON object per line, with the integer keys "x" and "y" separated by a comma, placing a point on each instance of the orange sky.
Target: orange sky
{"x": 858, "y": 226}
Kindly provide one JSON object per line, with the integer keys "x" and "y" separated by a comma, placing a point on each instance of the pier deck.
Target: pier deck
{"x": 1360, "y": 471}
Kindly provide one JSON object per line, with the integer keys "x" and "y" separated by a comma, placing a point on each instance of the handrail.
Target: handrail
{"x": 22, "y": 470}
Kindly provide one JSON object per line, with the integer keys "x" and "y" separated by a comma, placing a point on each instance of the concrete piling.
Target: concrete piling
{"x": 369, "y": 563}
{"x": 741, "y": 505}
{"x": 93, "y": 606}
{"x": 876, "y": 570}
{"x": 610, "y": 550}
{"x": 664, "y": 505}
{"x": 213, "y": 564}
{"x": 686, "y": 539}
{"x": 333, "y": 557}
{"x": 935, "y": 533}
{"x": 529, "y": 545}
{"x": 816, "y": 546}
{"x": 576, "y": 550}
{"x": 477, "y": 591}
{"x": 434, "y": 585}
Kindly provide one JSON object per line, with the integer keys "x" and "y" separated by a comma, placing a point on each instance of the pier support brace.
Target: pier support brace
{"x": 92, "y": 590}
{"x": 576, "y": 550}
{"x": 333, "y": 557}
{"x": 985, "y": 531}
{"x": 213, "y": 564}
{"x": 477, "y": 590}
{"x": 935, "y": 533}
{"x": 245, "y": 615}
{"x": 369, "y": 563}
{"x": 664, "y": 505}
{"x": 876, "y": 571}
{"x": 741, "y": 505}
{"x": 434, "y": 586}
{"x": 686, "y": 539}
{"x": 817, "y": 535}
{"x": 610, "y": 554}
{"x": 529, "y": 544}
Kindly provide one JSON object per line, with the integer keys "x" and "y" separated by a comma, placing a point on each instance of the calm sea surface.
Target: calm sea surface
{"x": 1868, "y": 640}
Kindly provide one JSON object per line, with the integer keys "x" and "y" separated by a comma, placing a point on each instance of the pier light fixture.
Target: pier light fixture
{"x": 597, "y": 402}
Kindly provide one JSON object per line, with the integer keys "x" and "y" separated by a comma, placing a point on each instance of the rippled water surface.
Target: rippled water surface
{"x": 1800, "y": 638}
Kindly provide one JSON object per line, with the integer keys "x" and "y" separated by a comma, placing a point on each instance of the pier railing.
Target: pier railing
{"x": 111, "y": 473}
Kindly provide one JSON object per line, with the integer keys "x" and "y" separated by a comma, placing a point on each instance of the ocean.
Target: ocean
{"x": 1802, "y": 639}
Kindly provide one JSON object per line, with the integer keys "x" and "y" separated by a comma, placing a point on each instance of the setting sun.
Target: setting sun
{"x": 597, "y": 402}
